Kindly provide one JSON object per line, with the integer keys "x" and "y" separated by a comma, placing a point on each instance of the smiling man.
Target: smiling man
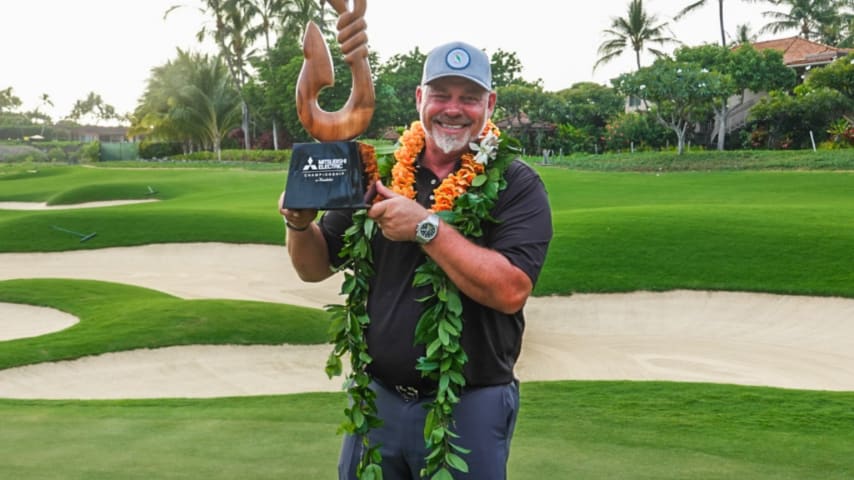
{"x": 459, "y": 201}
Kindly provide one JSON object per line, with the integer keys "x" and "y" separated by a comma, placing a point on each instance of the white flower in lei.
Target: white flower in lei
{"x": 487, "y": 149}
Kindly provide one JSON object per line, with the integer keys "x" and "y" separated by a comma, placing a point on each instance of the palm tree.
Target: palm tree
{"x": 700, "y": 3}
{"x": 300, "y": 12}
{"x": 190, "y": 99}
{"x": 92, "y": 105}
{"x": 45, "y": 101}
{"x": 270, "y": 14}
{"x": 743, "y": 35}
{"x": 209, "y": 103}
{"x": 8, "y": 100}
{"x": 809, "y": 17}
{"x": 283, "y": 17}
{"x": 636, "y": 30}
{"x": 232, "y": 32}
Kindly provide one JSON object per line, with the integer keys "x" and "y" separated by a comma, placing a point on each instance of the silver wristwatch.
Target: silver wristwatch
{"x": 427, "y": 229}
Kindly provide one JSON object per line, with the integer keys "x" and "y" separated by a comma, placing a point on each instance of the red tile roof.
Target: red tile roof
{"x": 798, "y": 51}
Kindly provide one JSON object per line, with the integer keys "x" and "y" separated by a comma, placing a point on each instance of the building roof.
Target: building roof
{"x": 800, "y": 52}
{"x": 520, "y": 121}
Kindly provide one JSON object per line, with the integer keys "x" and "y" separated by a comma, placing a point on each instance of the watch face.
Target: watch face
{"x": 427, "y": 230}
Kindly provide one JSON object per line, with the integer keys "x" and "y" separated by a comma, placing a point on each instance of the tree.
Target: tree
{"x": 39, "y": 117}
{"x": 588, "y": 103}
{"x": 190, "y": 99}
{"x": 701, "y": 3}
{"x": 838, "y": 76}
{"x": 395, "y": 86}
{"x": 636, "y": 30}
{"x": 233, "y": 35}
{"x": 807, "y": 16}
{"x": 299, "y": 12}
{"x": 270, "y": 14}
{"x": 587, "y": 107}
{"x": 794, "y": 120}
{"x": 208, "y": 103}
{"x": 841, "y": 33}
{"x": 680, "y": 93}
{"x": 281, "y": 18}
{"x": 743, "y": 35}
{"x": 93, "y": 105}
{"x": 44, "y": 101}
{"x": 506, "y": 68}
{"x": 8, "y": 100}
{"x": 747, "y": 69}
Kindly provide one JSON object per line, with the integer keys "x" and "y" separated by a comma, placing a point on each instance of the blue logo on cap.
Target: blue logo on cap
{"x": 458, "y": 59}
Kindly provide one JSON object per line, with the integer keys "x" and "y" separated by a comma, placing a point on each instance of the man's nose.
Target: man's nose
{"x": 454, "y": 107}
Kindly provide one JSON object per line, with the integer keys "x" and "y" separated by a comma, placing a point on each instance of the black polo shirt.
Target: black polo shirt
{"x": 492, "y": 340}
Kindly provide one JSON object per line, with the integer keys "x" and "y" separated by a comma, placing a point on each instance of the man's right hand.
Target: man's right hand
{"x": 297, "y": 218}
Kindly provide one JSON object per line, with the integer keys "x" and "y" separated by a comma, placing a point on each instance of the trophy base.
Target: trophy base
{"x": 325, "y": 176}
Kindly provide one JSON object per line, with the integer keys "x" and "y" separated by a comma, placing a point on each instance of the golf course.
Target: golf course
{"x": 691, "y": 322}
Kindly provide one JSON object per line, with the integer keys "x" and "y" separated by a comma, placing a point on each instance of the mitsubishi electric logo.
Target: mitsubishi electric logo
{"x": 324, "y": 169}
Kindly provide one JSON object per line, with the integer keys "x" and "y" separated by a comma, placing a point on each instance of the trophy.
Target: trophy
{"x": 328, "y": 174}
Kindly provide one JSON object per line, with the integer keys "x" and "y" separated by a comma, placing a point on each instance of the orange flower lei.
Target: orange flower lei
{"x": 368, "y": 154}
{"x": 454, "y": 185}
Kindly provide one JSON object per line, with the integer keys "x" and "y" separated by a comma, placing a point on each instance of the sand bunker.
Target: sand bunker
{"x": 723, "y": 337}
{"x": 22, "y": 321}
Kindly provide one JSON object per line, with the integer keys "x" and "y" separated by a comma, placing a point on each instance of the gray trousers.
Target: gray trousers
{"x": 484, "y": 418}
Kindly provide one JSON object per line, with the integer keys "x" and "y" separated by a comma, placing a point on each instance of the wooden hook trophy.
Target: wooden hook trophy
{"x": 329, "y": 174}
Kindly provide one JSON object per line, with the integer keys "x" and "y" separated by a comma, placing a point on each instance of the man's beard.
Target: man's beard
{"x": 450, "y": 143}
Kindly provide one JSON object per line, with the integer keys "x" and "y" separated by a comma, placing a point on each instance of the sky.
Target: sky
{"x": 67, "y": 49}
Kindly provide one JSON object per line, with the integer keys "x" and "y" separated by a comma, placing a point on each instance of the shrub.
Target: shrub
{"x": 265, "y": 156}
{"x": 159, "y": 149}
{"x": 91, "y": 152}
{"x": 56, "y": 154}
{"x": 636, "y": 129}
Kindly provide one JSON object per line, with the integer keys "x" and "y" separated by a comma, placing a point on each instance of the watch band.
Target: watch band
{"x": 294, "y": 227}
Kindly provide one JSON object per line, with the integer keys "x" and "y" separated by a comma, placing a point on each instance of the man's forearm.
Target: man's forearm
{"x": 484, "y": 275}
{"x": 308, "y": 253}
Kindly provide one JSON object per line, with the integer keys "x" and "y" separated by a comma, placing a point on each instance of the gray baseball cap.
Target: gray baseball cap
{"x": 458, "y": 59}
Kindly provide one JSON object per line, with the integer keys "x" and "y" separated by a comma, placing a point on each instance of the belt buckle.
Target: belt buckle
{"x": 406, "y": 392}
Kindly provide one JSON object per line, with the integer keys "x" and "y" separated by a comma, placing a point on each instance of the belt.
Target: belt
{"x": 407, "y": 393}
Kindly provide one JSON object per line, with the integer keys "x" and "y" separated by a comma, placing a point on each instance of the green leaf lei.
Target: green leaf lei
{"x": 439, "y": 327}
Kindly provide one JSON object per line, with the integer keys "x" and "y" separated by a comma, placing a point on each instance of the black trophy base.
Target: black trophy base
{"x": 325, "y": 176}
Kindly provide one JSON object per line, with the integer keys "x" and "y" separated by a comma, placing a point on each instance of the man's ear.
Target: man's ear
{"x": 419, "y": 92}
{"x": 490, "y": 105}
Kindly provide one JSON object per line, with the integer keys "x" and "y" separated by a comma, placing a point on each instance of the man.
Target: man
{"x": 495, "y": 274}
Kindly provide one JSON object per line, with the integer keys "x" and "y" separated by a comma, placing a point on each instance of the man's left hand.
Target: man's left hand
{"x": 396, "y": 215}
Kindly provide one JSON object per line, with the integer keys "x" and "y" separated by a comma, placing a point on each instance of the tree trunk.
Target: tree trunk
{"x": 275, "y": 135}
{"x": 245, "y": 125}
{"x": 722, "y": 127}
{"x": 680, "y": 137}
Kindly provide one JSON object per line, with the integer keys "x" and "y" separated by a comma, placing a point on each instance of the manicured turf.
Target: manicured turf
{"x": 589, "y": 430}
{"x": 776, "y": 231}
{"x": 784, "y": 232}
{"x": 121, "y": 317}
{"x": 196, "y": 205}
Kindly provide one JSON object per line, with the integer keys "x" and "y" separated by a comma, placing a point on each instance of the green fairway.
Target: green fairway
{"x": 589, "y": 430}
{"x": 120, "y": 317}
{"x": 194, "y": 205}
{"x": 771, "y": 231}
{"x": 783, "y": 232}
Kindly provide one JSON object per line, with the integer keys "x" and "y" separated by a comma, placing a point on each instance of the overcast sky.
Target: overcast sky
{"x": 67, "y": 48}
